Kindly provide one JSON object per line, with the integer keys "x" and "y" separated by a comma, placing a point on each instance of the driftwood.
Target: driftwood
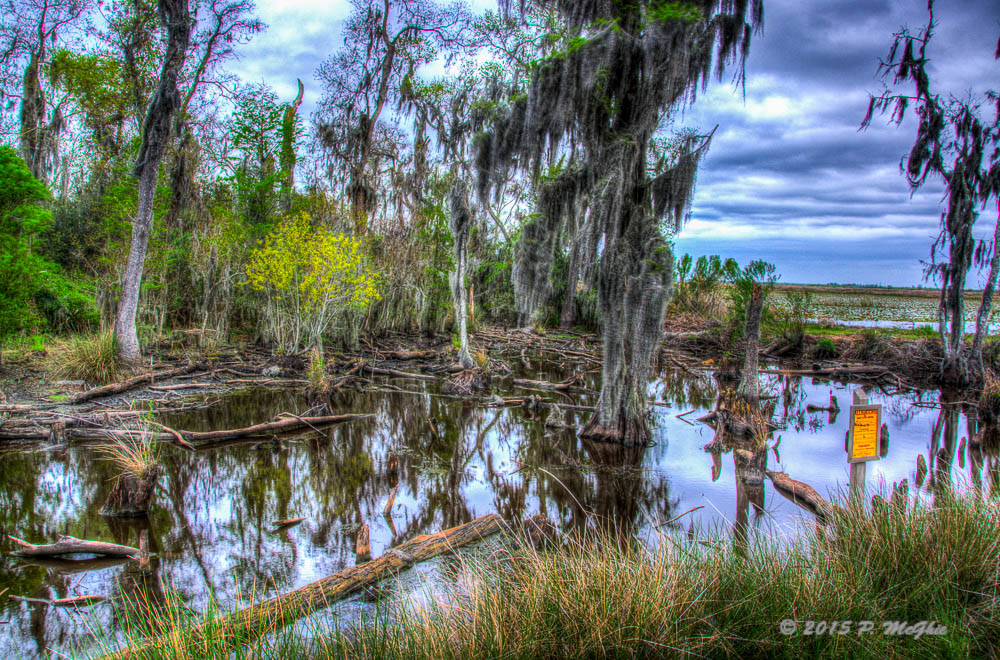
{"x": 408, "y": 355}
{"x": 73, "y": 601}
{"x": 396, "y": 373}
{"x": 124, "y": 386}
{"x": 387, "y": 509}
{"x": 243, "y": 626}
{"x": 801, "y": 493}
{"x": 185, "y": 438}
{"x": 568, "y": 384}
{"x": 67, "y": 545}
{"x": 280, "y": 525}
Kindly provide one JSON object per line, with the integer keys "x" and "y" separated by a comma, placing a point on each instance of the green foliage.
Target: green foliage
{"x": 668, "y": 11}
{"x": 825, "y": 349}
{"x": 308, "y": 276}
{"x": 34, "y": 292}
{"x": 743, "y": 281}
{"x": 700, "y": 284}
{"x": 790, "y": 322}
{"x": 262, "y": 137}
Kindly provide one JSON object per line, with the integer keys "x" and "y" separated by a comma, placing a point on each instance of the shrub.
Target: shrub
{"x": 309, "y": 276}
{"x": 700, "y": 284}
{"x": 825, "y": 349}
{"x": 34, "y": 292}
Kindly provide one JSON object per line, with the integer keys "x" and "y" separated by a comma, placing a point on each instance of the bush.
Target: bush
{"x": 700, "y": 284}
{"x": 825, "y": 349}
{"x": 308, "y": 276}
{"x": 34, "y": 292}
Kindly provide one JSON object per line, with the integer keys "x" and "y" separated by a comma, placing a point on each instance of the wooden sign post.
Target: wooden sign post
{"x": 864, "y": 440}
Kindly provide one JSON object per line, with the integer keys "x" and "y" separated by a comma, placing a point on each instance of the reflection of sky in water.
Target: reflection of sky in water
{"x": 213, "y": 510}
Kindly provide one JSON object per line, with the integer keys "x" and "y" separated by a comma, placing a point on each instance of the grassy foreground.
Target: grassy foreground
{"x": 596, "y": 599}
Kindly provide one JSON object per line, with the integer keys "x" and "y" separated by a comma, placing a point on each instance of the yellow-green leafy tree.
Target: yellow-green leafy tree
{"x": 309, "y": 275}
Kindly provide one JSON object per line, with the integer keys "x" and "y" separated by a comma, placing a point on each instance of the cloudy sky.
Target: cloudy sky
{"x": 789, "y": 178}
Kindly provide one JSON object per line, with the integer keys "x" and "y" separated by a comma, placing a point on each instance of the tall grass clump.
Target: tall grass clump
{"x": 136, "y": 453}
{"x": 93, "y": 358}
{"x": 602, "y": 597}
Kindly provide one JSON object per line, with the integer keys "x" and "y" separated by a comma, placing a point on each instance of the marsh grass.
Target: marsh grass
{"x": 93, "y": 358}
{"x": 601, "y": 597}
{"x": 135, "y": 453}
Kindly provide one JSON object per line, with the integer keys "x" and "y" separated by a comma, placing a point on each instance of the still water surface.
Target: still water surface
{"x": 213, "y": 512}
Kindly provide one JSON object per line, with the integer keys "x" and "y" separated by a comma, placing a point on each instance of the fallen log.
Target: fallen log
{"x": 68, "y": 545}
{"x": 380, "y": 371}
{"x": 179, "y": 386}
{"x": 408, "y": 355}
{"x": 246, "y": 625}
{"x": 124, "y": 386}
{"x": 568, "y": 384}
{"x": 801, "y": 494}
{"x": 281, "y": 525}
{"x": 284, "y": 424}
{"x": 190, "y": 437}
{"x": 73, "y": 601}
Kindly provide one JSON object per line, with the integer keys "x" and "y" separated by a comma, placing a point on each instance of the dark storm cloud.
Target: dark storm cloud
{"x": 789, "y": 177}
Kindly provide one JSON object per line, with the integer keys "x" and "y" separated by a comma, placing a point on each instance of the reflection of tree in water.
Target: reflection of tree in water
{"x": 979, "y": 447}
{"x": 687, "y": 389}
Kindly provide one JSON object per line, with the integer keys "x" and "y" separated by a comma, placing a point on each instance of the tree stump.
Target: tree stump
{"x": 130, "y": 495}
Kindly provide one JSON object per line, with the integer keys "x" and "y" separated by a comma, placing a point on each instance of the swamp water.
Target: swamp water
{"x": 211, "y": 519}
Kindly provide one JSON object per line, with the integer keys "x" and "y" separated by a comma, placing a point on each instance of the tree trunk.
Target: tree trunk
{"x": 568, "y": 316}
{"x": 287, "y": 156}
{"x": 460, "y": 220}
{"x": 749, "y": 387}
{"x": 634, "y": 286}
{"x": 32, "y": 116}
{"x": 128, "y": 306}
{"x": 155, "y": 136}
{"x": 985, "y": 305}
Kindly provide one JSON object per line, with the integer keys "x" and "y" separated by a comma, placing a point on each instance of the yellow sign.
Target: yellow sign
{"x": 864, "y": 433}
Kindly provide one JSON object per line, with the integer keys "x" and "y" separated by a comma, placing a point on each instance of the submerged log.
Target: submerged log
{"x": 73, "y": 601}
{"x": 408, "y": 355}
{"x": 396, "y": 373}
{"x": 362, "y": 547}
{"x": 68, "y": 545}
{"x": 568, "y": 384}
{"x": 124, "y": 386}
{"x": 271, "y": 615}
{"x": 921, "y": 471}
{"x": 281, "y": 525}
{"x": 800, "y": 493}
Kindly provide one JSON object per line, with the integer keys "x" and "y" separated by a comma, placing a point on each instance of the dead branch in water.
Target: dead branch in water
{"x": 801, "y": 493}
{"x": 124, "y": 386}
{"x": 73, "y": 601}
{"x": 271, "y": 615}
{"x": 67, "y": 545}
